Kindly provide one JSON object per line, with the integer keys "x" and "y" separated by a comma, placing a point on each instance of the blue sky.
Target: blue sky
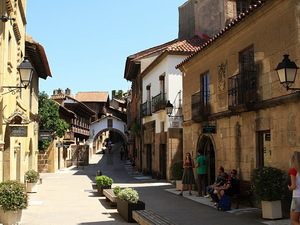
{"x": 87, "y": 42}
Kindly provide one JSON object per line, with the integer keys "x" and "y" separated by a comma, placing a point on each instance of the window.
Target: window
{"x": 248, "y": 75}
{"x": 148, "y": 88}
{"x": 205, "y": 81}
{"x": 247, "y": 59}
{"x": 9, "y": 48}
{"x": 109, "y": 123}
{"x": 162, "y": 85}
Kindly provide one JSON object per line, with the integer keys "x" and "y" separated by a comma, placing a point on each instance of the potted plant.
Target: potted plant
{"x": 159, "y": 104}
{"x": 103, "y": 182}
{"x": 176, "y": 173}
{"x": 13, "y": 199}
{"x": 268, "y": 185}
{"x": 128, "y": 201}
{"x": 117, "y": 190}
{"x": 31, "y": 178}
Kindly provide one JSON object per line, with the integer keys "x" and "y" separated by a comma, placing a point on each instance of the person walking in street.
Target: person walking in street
{"x": 122, "y": 153}
{"x": 188, "y": 174}
{"x": 202, "y": 169}
{"x": 295, "y": 187}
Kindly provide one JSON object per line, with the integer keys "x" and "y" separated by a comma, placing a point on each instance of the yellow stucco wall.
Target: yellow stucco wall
{"x": 19, "y": 154}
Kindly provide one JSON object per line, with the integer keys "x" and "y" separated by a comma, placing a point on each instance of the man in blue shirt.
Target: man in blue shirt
{"x": 202, "y": 169}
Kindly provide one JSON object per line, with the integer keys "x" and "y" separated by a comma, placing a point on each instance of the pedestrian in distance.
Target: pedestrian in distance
{"x": 188, "y": 174}
{"x": 202, "y": 170}
{"x": 133, "y": 165}
{"x": 295, "y": 188}
{"x": 122, "y": 153}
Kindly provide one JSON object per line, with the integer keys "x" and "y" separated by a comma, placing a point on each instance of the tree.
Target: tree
{"x": 49, "y": 119}
{"x": 117, "y": 94}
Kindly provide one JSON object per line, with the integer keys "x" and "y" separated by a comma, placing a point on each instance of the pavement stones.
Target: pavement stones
{"x": 67, "y": 197}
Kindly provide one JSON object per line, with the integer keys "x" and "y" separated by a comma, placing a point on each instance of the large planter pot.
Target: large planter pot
{"x": 178, "y": 185}
{"x": 31, "y": 187}
{"x": 125, "y": 209}
{"x": 10, "y": 217}
{"x": 101, "y": 188}
{"x": 271, "y": 210}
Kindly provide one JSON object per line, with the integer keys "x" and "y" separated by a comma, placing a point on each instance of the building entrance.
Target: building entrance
{"x": 207, "y": 146}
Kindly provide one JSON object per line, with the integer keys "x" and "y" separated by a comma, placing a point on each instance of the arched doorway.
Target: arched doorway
{"x": 205, "y": 144}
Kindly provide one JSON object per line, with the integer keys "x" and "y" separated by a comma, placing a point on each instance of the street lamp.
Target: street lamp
{"x": 25, "y": 71}
{"x": 169, "y": 108}
{"x": 286, "y": 71}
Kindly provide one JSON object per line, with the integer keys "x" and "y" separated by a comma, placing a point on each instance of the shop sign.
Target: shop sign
{"x": 18, "y": 131}
{"x": 59, "y": 144}
{"x": 209, "y": 129}
{"x": 45, "y": 135}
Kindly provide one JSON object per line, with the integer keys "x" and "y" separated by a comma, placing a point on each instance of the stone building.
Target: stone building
{"x": 233, "y": 104}
{"x": 74, "y": 146}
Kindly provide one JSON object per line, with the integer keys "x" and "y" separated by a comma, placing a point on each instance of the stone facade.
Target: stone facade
{"x": 261, "y": 130}
{"x": 205, "y": 17}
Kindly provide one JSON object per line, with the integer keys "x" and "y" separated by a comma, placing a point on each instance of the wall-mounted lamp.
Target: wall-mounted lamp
{"x": 25, "y": 70}
{"x": 169, "y": 108}
{"x": 286, "y": 71}
{"x": 6, "y": 18}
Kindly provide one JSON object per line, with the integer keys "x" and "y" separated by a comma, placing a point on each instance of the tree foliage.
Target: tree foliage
{"x": 117, "y": 94}
{"x": 49, "y": 118}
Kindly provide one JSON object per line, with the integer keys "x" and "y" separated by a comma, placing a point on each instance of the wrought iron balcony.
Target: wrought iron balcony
{"x": 158, "y": 102}
{"x": 146, "y": 109}
{"x": 242, "y": 91}
{"x": 200, "y": 108}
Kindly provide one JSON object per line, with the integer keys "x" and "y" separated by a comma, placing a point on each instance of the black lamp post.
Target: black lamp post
{"x": 5, "y": 18}
{"x": 286, "y": 71}
{"x": 169, "y": 108}
{"x": 25, "y": 71}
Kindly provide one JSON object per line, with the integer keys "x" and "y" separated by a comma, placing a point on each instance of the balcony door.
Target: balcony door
{"x": 248, "y": 75}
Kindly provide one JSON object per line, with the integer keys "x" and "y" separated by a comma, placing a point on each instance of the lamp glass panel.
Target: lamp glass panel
{"x": 290, "y": 75}
{"x": 169, "y": 110}
{"x": 281, "y": 75}
{"x": 26, "y": 76}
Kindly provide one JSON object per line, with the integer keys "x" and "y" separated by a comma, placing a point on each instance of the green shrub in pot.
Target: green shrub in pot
{"x": 129, "y": 195}
{"x": 103, "y": 181}
{"x": 177, "y": 170}
{"x": 117, "y": 190}
{"x": 32, "y": 176}
{"x": 13, "y": 196}
{"x": 268, "y": 183}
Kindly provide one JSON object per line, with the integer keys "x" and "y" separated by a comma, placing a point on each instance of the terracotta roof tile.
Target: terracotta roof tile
{"x": 188, "y": 45}
{"x": 95, "y": 96}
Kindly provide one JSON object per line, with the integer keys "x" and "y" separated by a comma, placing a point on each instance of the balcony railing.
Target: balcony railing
{"x": 146, "y": 109}
{"x": 242, "y": 89}
{"x": 158, "y": 102}
{"x": 200, "y": 108}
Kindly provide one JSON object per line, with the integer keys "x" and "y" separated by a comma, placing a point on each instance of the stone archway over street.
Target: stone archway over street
{"x": 108, "y": 123}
